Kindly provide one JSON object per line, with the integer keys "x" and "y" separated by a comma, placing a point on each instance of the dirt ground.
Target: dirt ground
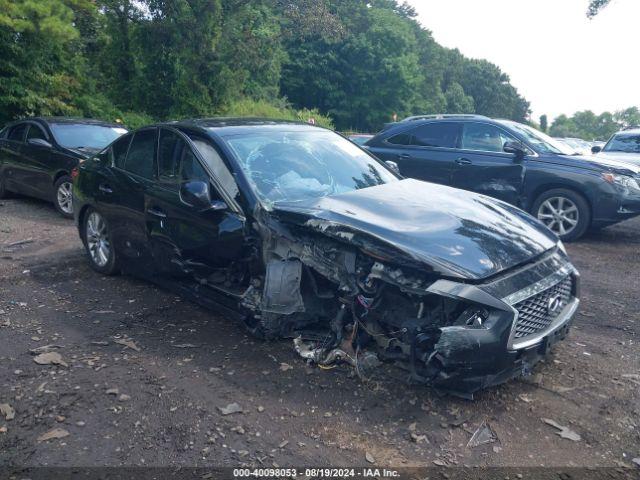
{"x": 146, "y": 376}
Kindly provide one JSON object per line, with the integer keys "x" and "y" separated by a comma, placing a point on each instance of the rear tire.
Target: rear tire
{"x": 96, "y": 237}
{"x": 564, "y": 212}
{"x": 63, "y": 199}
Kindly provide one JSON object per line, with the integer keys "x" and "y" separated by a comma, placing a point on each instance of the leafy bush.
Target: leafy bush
{"x": 278, "y": 109}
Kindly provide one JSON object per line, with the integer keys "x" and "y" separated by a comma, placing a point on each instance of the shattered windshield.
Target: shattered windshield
{"x": 295, "y": 166}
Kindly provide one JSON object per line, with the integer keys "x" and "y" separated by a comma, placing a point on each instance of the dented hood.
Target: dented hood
{"x": 454, "y": 232}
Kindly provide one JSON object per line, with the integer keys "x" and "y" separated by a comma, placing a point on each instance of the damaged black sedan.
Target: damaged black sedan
{"x": 302, "y": 234}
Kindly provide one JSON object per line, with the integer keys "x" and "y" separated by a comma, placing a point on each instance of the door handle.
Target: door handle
{"x": 156, "y": 212}
{"x": 463, "y": 161}
{"x": 404, "y": 155}
{"x": 104, "y": 188}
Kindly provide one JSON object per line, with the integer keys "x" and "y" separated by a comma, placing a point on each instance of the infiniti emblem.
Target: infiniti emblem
{"x": 554, "y": 305}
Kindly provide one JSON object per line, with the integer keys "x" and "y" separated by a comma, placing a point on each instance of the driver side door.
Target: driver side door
{"x": 484, "y": 167}
{"x": 187, "y": 241}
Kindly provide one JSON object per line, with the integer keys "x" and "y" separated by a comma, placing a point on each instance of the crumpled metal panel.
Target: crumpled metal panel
{"x": 282, "y": 288}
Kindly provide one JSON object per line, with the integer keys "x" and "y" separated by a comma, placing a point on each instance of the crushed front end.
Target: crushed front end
{"x": 346, "y": 298}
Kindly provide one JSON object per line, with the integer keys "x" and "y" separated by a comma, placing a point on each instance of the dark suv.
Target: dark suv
{"x": 515, "y": 163}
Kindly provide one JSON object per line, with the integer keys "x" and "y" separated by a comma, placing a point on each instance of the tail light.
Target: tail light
{"x": 74, "y": 173}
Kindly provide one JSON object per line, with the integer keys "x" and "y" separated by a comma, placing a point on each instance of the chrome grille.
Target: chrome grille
{"x": 534, "y": 313}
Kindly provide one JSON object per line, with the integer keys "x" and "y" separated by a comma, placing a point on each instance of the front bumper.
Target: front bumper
{"x": 614, "y": 207}
{"x": 471, "y": 359}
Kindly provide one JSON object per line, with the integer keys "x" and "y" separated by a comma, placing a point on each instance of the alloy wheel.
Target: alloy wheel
{"x": 559, "y": 214}
{"x": 65, "y": 197}
{"x": 98, "y": 242}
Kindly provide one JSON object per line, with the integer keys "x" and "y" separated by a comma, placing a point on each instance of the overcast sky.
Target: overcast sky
{"x": 558, "y": 59}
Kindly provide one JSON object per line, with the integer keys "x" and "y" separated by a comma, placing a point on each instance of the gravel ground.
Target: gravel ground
{"x": 145, "y": 376}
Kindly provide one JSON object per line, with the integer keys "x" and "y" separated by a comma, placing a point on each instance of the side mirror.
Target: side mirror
{"x": 515, "y": 148}
{"x": 196, "y": 194}
{"x": 596, "y": 149}
{"x": 39, "y": 142}
{"x": 393, "y": 166}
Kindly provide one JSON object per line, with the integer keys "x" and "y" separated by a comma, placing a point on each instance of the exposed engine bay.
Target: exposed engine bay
{"x": 348, "y": 299}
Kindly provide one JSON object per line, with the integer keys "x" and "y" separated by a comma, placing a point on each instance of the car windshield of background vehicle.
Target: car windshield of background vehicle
{"x": 624, "y": 143}
{"x": 81, "y": 136}
{"x": 295, "y": 166}
{"x": 541, "y": 142}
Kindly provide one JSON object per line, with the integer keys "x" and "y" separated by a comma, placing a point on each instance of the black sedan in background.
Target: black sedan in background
{"x": 303, "y": 234}
{"x": 515, "y": 163}
{"x": 38, "y": 155}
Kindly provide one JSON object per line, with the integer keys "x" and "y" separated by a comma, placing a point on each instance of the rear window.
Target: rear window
{"x": 89, "y": 136}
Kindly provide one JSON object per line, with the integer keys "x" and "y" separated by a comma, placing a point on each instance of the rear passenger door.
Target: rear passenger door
{"x": 121, "y": 196}
{"x": 13, "y": 168}
{"x": 484, "y": 167}
{"x": 187, "y": 241}
{"x": 37, "y": 162}
{"x": 426, "y": 152}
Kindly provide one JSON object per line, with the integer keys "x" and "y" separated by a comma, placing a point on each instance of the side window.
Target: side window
{"x": 436, "y": 134}
{"x": 484, "y": 137}
{"x": 169, "y": 155}
{"x": 119, "y": 150}
{"x": 214, "y": 160}
{"x": 142, "y": 152}
{"x": 35, "y": 132}
{"x": 190, "y": 168}
{"x": 17, "y": 132}
{"x": 400, "y": 139}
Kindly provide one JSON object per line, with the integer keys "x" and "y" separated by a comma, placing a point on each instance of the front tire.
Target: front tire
{"x": 63, "y": 198}
{"x": 564, "y": 212}
{"x": 97, "y": 243}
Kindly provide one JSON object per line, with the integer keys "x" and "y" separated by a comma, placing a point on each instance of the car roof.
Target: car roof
{"x": 413, "y": 122}
{"x": 240, "y": 125}
{"x": 70, "y": 121}
{"x": 630, "y": 131}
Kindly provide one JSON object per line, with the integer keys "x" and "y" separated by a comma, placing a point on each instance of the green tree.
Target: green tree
{"x": 457, "y": 100}
{"x": 358, "y": 62}
{"x": 589, "y": 126}
{"x": 41, "y": 66}
{"x": 494, "y": 96}
{"x": 544, "y": 123}
{"x": 362, "y": 78}
{"x": 627, "y": 117}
